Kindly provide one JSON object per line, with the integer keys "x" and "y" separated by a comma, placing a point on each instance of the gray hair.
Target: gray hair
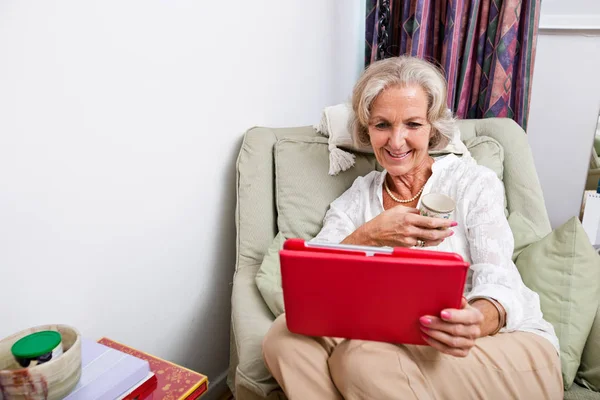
{"x": 403, "y": 71}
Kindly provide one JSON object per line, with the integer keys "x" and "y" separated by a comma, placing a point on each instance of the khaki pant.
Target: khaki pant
{"x": 516, "y": 365}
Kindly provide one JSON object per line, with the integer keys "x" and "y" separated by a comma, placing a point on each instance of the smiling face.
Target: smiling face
{"x": 398, "y": 129}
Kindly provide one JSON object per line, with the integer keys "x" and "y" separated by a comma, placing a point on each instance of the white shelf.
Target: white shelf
{"x": 570, "y": 23}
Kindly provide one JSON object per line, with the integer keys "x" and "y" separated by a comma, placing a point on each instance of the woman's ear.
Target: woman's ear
{"x": 433, "y": 139}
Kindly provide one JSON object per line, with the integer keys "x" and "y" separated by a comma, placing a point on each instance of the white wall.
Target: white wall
{"x": 565, "y": 102}
{"x": 120, "y": 122}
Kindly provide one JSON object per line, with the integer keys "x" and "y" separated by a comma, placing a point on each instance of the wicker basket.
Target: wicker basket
{"x": 52, "y": 380}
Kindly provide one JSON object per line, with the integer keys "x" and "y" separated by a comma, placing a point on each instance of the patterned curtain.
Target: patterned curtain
{"x": 485, "y": 47}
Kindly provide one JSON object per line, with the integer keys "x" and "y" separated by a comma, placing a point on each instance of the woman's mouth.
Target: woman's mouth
{"x": 398, "y": 155}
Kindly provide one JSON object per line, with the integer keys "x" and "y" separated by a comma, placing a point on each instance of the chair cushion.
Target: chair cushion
{"x": 589, "y": 371}
{"x": 268, "y": 277}
{"x": 303, "y": 187}
{"x": 564, "y": 270}
{"x": 488, "y": 152}
{"x": 523, "y": 231}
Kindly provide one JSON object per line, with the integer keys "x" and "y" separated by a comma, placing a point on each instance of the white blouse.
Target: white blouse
{"x": 483, "y": 237}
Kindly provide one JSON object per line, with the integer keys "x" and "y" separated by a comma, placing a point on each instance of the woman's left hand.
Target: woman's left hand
{"x": 455, "y": 332}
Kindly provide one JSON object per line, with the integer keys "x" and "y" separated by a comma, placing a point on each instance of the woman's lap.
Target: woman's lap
{"x": 510, "y": 365}
{"x": 513, "y": 365}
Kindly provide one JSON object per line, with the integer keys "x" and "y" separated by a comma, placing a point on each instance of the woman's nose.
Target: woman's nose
{"x": 397, "y": 136}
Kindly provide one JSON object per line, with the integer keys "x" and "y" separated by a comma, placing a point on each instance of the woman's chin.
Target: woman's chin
{"x": 397, "y": 166}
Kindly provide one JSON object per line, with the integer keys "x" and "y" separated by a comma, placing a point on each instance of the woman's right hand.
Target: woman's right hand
{"x": 402, "y": 227}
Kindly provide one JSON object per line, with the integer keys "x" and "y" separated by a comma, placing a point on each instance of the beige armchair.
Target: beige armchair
{"x": 256, "y": 221}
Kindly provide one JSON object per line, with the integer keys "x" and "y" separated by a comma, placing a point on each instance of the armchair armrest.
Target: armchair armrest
{"x": 251, "y": 319}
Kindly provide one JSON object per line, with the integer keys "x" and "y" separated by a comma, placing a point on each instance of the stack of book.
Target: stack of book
{"x": 111, "y": 370}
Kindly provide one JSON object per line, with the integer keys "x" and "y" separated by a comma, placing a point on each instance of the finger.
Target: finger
{"x": 466, "y": 331}
{"x": 459, "y": 342}
{"x": 441, "y": 347}
{"x": 432, "y": 223}
{"x": 432, "y": 243}
{"x": 426, "y": 233}
{"x": 432, "y": 234}
{"x": 468, "y": 316}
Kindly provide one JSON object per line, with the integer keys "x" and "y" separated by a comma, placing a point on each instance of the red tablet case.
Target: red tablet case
{"x": 348, "y": 294}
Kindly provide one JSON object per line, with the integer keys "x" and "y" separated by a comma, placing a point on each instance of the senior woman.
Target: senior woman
{"x": 497, "y": 345}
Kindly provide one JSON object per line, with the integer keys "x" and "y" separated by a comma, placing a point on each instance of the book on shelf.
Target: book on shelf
{"x": 173, "y": 381}
{"x": 142, "y": 390}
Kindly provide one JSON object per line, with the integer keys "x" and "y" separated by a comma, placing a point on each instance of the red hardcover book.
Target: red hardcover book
{"x": 173, "y": 382}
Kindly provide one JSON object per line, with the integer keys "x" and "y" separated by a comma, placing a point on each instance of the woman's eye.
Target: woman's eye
{"x": 414, "y": 125}
{"x": 381, "y": 125}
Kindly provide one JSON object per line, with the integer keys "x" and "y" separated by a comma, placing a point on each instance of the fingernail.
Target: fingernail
{"x": 445, "y": 315}
{"x": 454, "y": 223}
{"x": 451, "y": 233}
{"x": 425, "y": 320}
{"x": 425, "y": 337}
{"x": 424, "y": 328}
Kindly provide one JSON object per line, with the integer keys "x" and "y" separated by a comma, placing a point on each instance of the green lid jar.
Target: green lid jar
{"x": 37, "y": 348}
